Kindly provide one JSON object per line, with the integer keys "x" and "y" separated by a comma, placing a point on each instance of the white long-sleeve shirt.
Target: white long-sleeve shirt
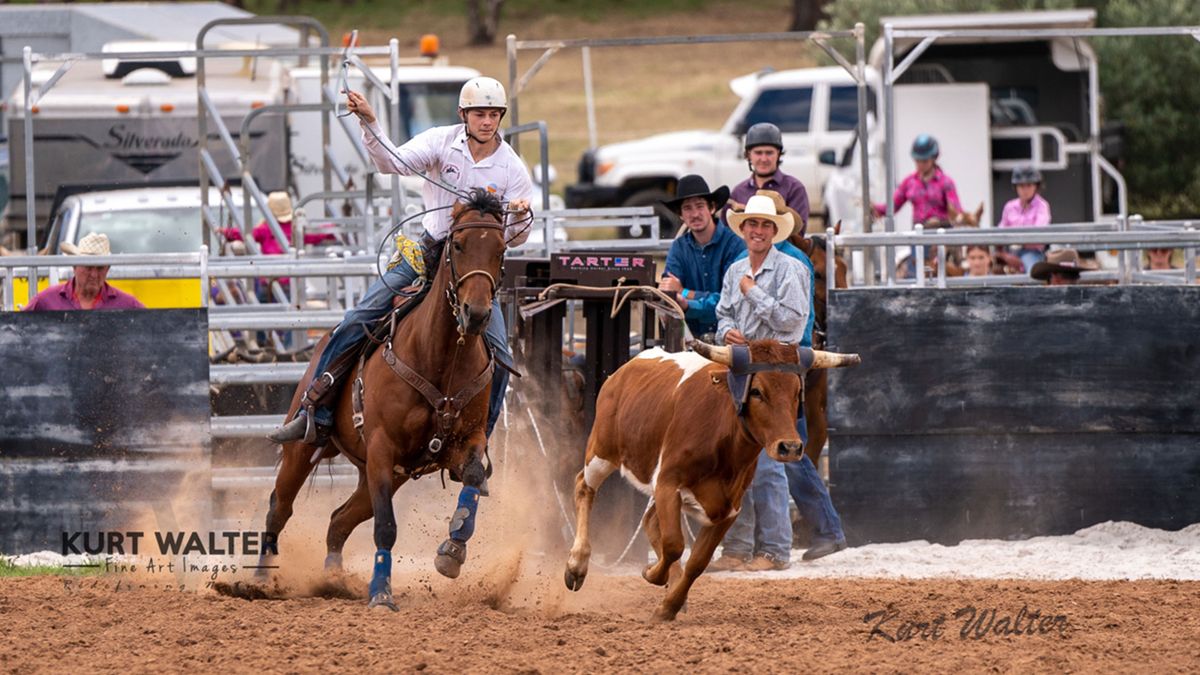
{"x": 442, "y": 154}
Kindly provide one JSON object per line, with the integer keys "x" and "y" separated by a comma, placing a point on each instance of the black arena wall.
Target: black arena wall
{"x": 104, "y": 423}
{"x": 1015, "y": 412}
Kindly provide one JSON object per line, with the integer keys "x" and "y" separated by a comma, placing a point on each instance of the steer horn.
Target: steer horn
{"x": 721, "y": 355}
{"x": 815, "y": 358}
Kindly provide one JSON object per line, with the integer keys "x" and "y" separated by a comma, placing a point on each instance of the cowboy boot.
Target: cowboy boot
{"x": 305, "y": 425}
{"x": 812, "y": 499}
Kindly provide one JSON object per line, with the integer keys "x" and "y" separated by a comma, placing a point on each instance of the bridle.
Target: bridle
{"x": 455, "y": 282}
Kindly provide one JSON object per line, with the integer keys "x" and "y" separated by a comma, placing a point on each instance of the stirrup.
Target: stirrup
{"x": 292, "y": 431}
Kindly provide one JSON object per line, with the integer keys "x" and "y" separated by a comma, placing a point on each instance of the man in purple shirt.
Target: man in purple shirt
{"x": 89, "y": 288}
{"x": 764, "y": 153}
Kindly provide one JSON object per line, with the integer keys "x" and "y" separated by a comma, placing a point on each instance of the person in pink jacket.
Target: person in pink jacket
{"x": 1029, "y": 209}
{"x": 281, "y": 207}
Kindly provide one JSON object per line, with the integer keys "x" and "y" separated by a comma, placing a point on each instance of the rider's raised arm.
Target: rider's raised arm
{"x": 520, "y": 187}
{"x": 420, "y": 153}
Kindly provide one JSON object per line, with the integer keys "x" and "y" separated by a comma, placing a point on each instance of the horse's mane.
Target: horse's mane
{"x": 818, "y": 240}
{"x": 486, "y": 203}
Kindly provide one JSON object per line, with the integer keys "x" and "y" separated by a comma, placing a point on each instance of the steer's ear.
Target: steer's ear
{"x": 815, "y": 358}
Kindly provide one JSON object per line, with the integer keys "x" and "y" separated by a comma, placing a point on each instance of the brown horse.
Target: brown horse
{"x": 816, "y": 381}
{"x": 424, "y": 397}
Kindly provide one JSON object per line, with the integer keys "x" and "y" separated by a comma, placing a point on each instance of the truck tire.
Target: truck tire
{"x": 668, "y": 222}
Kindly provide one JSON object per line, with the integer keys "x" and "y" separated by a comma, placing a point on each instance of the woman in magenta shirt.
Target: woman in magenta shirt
{"x": 929, "y": 189}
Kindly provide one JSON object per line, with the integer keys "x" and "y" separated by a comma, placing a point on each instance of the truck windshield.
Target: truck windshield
{"x": 163, "y": 230}
{"x": 424, "y": 105}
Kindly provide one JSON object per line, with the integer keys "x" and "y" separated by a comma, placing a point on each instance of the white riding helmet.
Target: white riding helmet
{"x": 482, "y": 92}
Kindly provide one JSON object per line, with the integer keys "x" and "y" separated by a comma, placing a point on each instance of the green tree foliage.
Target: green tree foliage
{"x": 1140, "y": 80}
{"x": 1149, "y": 85}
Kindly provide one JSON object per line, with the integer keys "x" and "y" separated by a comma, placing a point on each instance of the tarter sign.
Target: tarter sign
{"x": 602, "y": 268}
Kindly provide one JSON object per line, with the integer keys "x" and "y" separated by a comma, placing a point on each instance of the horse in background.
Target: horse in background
{"x": 816, "y": 382}
{"x": 954, "y": 255}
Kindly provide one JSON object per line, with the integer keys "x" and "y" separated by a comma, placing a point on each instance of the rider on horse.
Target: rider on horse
{"x": 461, "y": 156}
{"x": 454, "y": 159}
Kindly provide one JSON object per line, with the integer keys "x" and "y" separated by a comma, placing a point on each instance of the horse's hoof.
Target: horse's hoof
{"x": 333, "y": 564}
{"x": 447, "y": 566}
{"x": 383, "y": 599}
{"x": 450, "y": 558}
{"x": 662, "y": 615}
{"x": 574, "y": 581}
{"x": 648, "y": 575}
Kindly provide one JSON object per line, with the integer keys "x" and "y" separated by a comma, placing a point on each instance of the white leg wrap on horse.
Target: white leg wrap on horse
{"x": 595, "y": 471}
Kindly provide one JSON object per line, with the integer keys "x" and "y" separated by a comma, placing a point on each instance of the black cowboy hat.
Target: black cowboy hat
{"x": 1064, "y": 260}
{"x": 692, "y": 185}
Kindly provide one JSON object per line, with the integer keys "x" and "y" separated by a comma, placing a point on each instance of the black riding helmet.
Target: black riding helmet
{"x": 1026, "y": 175}
{"x": 763, "y": 133}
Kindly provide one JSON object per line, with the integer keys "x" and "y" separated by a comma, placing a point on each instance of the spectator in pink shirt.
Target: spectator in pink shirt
{"x": 1029, "y": 209}
{"x": 89, "y": 288}
{"x": 281, "y": 206}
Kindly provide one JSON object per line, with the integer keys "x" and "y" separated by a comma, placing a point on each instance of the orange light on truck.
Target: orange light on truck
{"x": 430, "y": 45}
{"x": 167, "y": 107}
{"x": 122, "y": 108}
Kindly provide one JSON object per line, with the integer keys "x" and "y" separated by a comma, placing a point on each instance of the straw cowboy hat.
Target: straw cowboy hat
{"x": 692, "y": 185}
{"x": 92, "y": 244}
{"x": 281, "y": 205}
{"x": 763, "y": 207}
{"x": 1060, "y": 260}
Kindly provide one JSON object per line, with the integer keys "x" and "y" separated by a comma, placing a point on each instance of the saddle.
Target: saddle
{"x": 324, "y": 391}
{"x": 423, "y": 257}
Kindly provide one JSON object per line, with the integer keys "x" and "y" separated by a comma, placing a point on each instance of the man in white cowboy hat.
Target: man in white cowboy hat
{"x": 768, "y": 295}
{"x": 698, "y": 258}
{"x": 1061, "y": 267}
{"x": 88, "y": 288}
{"x": 764, "y": 296}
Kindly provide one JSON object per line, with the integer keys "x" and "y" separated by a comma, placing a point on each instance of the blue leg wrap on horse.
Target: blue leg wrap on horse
{"x": 381, "y": 578}
{"x": 462, "y": 524}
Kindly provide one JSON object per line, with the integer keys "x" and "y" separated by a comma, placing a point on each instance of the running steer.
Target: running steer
{"x": 686, "y": 429}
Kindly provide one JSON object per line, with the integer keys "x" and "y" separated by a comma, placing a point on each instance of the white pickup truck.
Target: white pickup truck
{"x": 815, "y": 108}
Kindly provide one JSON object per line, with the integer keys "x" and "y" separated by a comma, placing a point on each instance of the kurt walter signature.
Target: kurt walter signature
{"x": 973, "y": 624}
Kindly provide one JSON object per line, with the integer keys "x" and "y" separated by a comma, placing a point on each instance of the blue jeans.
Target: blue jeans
{"x": 377, "y": 302}
{"x": 1030, "y": 257}
{"x": 764, "y": 516}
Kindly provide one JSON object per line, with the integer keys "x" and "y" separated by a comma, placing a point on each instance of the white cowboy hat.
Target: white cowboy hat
{"x": 92, "y": 244}
{"x": 281, "y": 205}
{"x": 763, "y": 208}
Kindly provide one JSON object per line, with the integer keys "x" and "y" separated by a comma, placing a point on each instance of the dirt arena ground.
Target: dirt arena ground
{"x": 481, "y": 625}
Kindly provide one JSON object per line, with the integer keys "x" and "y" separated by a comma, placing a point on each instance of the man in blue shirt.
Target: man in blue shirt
{"x": 763, "y": 147}
{"x": 698, "y": 259}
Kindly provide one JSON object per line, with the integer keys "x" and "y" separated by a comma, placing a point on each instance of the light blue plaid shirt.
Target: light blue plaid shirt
{"x": 777, "y": 308}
